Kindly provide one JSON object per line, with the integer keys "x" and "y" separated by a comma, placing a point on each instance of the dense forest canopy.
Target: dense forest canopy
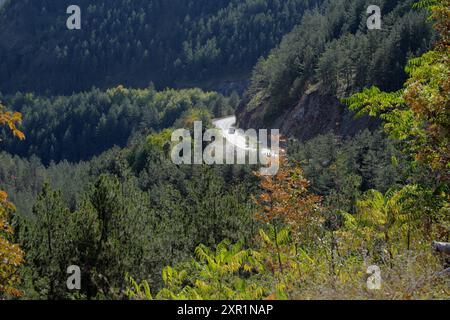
{"x": 94, "y": 184}
{"x": 82, "y": 125}
{"x": 137, "y": 42}
{"x": 340, "y": 57}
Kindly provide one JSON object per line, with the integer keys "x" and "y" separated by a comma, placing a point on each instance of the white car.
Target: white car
{"x": 231, "y": 131}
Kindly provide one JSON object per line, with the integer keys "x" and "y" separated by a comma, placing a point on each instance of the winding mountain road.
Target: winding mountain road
{"x": 236, "y": 137}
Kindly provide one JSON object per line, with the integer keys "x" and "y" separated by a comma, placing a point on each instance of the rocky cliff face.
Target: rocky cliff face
{"x": 316, "y": 113}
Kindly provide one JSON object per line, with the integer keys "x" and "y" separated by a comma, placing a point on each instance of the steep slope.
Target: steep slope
{"x": 168, "y": 42}
{"x": 314, "y": 114}
{"x": 328, "y": 56}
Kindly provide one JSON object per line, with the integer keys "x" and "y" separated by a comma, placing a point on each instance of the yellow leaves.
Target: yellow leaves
{"x": 160, "y": 139}
{"x": 10, "y": 119}
{"x": 167, "y": 275}
{"x": 386, "y": 224}
{"x": 248, "y": 267}
{"x": 19, "y": 134}
{"x": 172, "y": 277}
{"x": 216, "y": 276}
{"x": 281, "y": 292}
{"x": 138, "y": 291}
{"x": 203, "y": 254}
{"x": 305, "y": 256}
{"x": 3, "y": 196}
{"x": 264, "y": 236}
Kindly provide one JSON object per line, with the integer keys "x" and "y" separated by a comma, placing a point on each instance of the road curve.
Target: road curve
{"x": 237, "y": 138}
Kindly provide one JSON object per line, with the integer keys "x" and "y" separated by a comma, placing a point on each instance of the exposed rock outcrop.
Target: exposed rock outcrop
{"x": 316, "y": 113}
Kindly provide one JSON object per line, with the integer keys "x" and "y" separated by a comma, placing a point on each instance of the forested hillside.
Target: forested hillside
{"x": 164, "y": 211}
{"x": 298, "y": 87}
{"x": 82, "y": 125}
{"x": 359, "y": 209}
{"x": 133, "y": 43}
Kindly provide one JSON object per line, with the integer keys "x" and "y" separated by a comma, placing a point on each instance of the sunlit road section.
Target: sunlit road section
{"x": 237, "y": 138}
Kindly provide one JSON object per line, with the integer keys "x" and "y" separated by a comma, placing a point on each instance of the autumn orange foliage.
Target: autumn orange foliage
{"x": 285, "y": 197}
{"x": 11, "y": 256}
{"x": 10, "y": 119}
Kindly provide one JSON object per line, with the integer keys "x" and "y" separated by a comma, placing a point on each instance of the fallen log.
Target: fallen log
{"x": 441, "y": 247}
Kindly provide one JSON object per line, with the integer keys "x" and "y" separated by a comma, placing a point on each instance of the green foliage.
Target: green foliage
{"x": 48, "y": 245}
{"x": 372, "y": 101}
{"x": 123, "y": 218}
{"x": 160, "y": 140}
{"x": 135, "y": 42}
{"x": 340, "y": 57}
{"x": 213, "y": 275}
{"x": 11, "y": 255}
{"x": 80, "y": 126}
{"x": 389, "y": 218}
{"x": 341, "y": 169}
{"x": 419, "y": 113}
{"x": 337, "y": 205}
{"x": 319, "y": 272}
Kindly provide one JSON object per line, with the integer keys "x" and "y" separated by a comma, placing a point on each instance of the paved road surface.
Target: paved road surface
{"x": 236, "y": 138}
